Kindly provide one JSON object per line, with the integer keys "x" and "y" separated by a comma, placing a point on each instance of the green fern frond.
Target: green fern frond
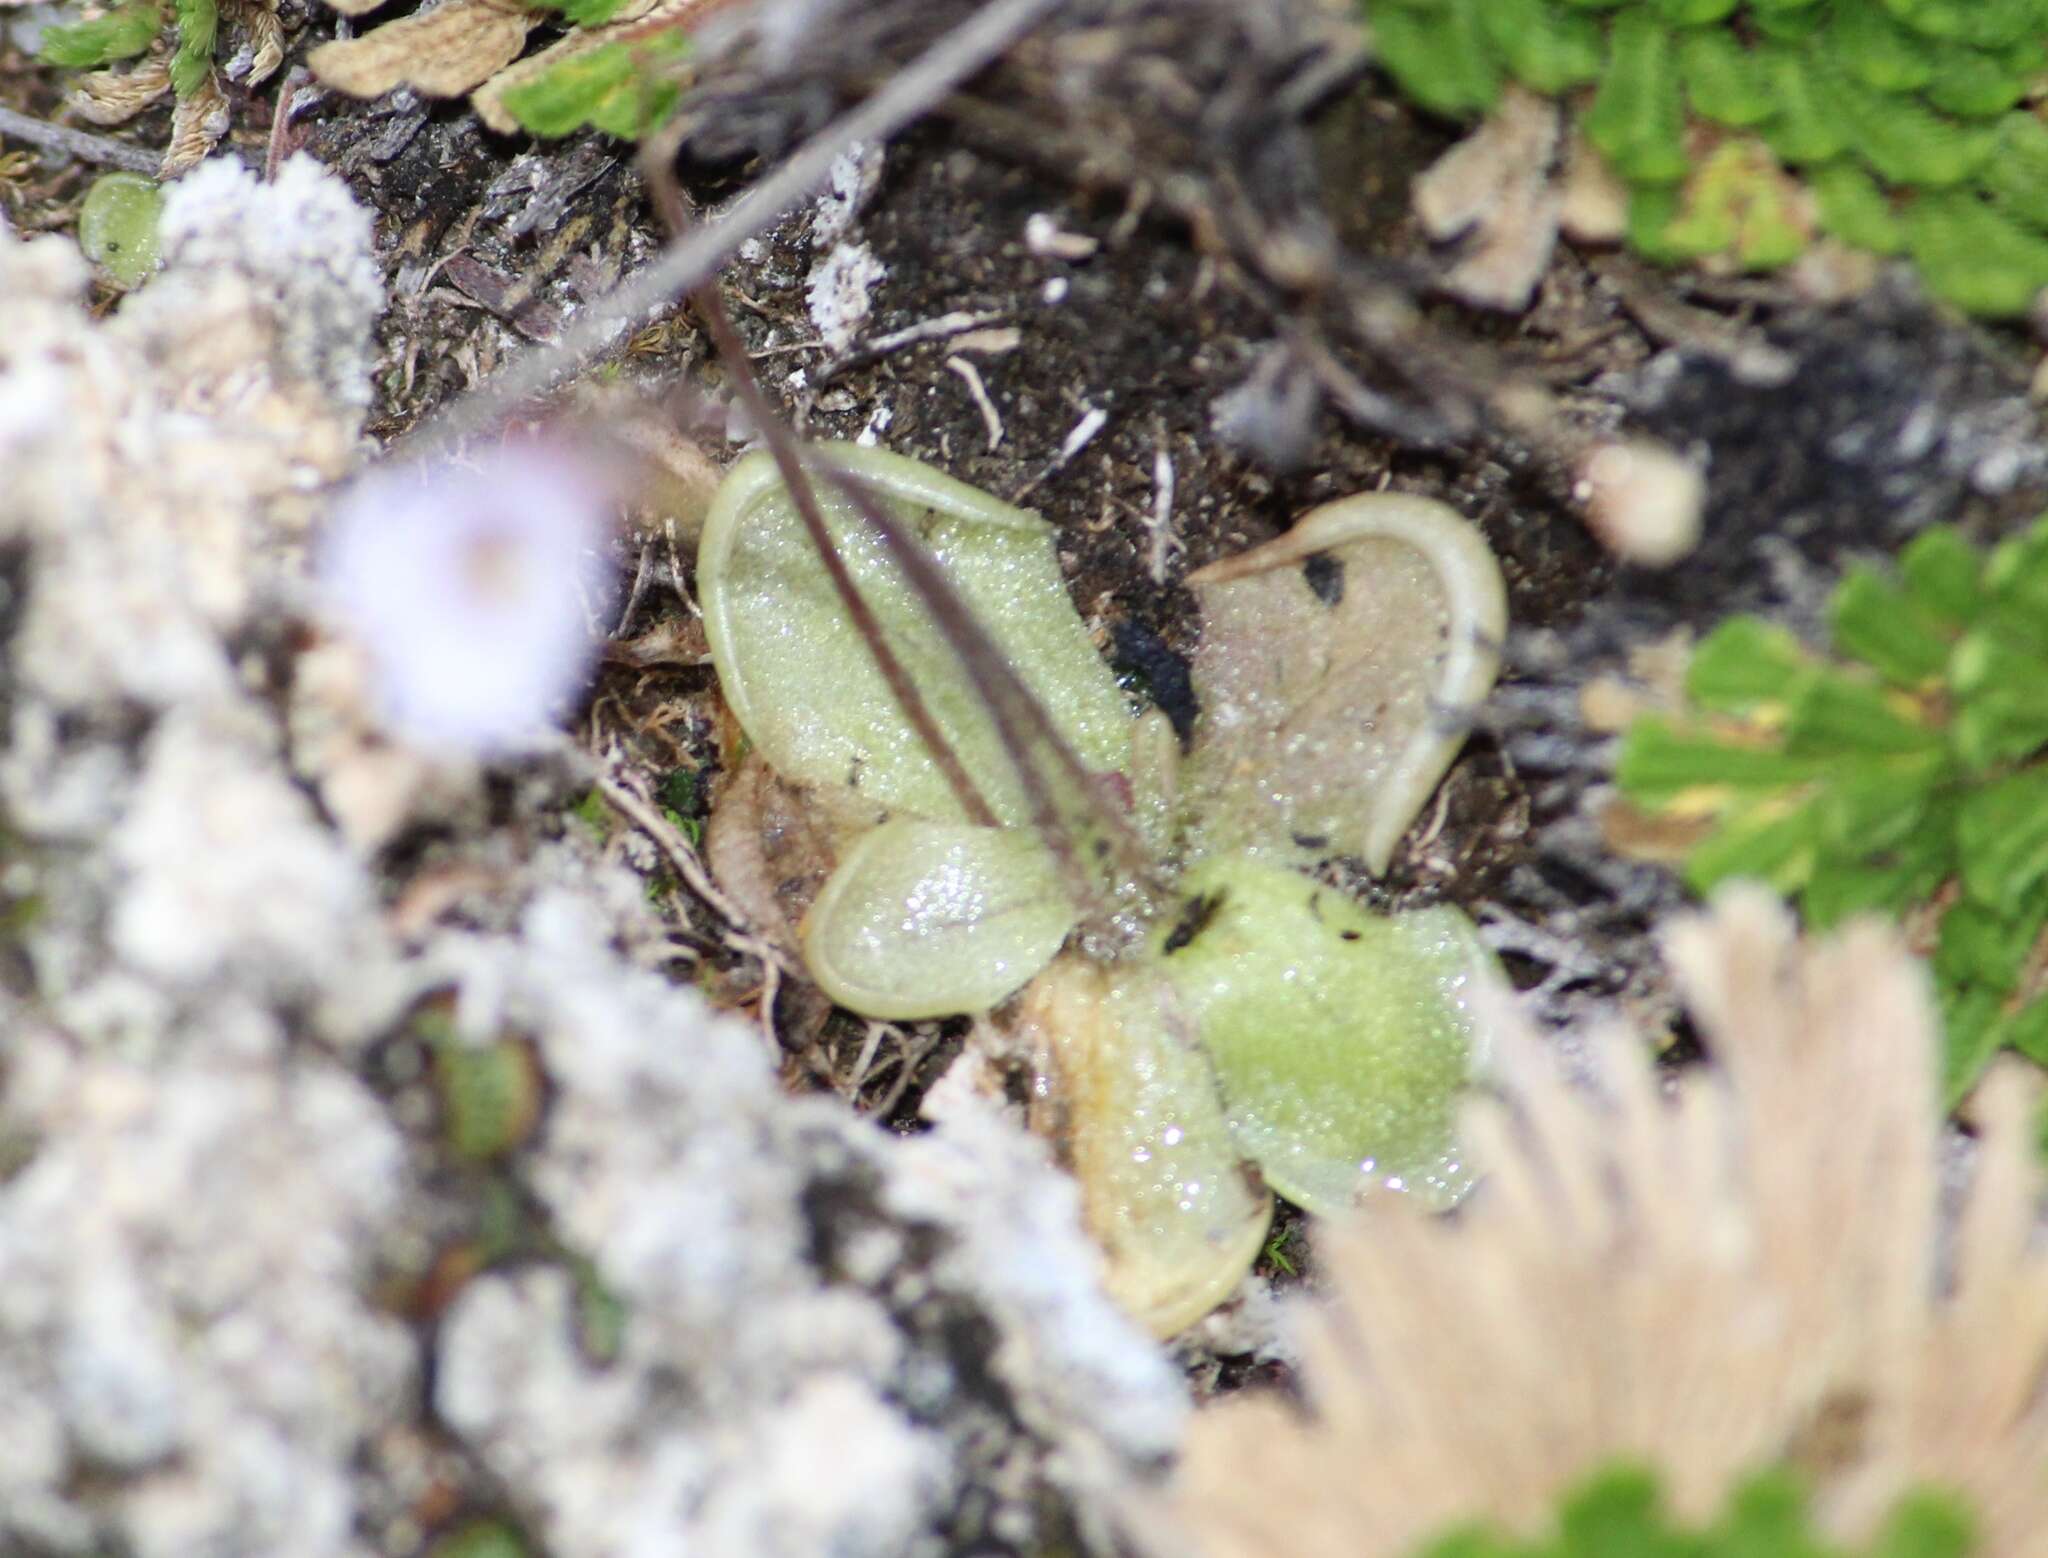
{"x": 1913, "y": 758}
{"x": 1905, "y": 120}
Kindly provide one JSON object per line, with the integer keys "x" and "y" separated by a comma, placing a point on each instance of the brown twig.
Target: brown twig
{"x": 789, "y": 460}
{"x": 82, "y": 144}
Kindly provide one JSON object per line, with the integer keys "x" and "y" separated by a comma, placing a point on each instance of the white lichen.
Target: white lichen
{"x": 198, "y": 1188}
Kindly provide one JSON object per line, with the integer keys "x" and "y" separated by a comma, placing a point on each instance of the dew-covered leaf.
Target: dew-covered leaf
{"x": 926, "y": 919}
{"x": 1332, "y": 664}
{"x": 802, "y": 682}
{"x": 1132, "y": 1104}
{"x": 1341, "y": 1039}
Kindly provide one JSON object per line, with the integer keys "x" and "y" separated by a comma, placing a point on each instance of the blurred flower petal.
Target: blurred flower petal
{"x": 471, "y": 588}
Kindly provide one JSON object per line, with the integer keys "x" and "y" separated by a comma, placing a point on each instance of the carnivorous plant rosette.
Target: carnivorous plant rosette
{"x": 1213, "y": 1004}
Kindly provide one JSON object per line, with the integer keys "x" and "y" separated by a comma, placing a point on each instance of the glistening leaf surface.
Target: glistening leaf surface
{"x": 803, "y": 684}
{"x": 1332, "y": 664}
{"x": 1341, "y": 1039}
{"x": 925, "y": 919}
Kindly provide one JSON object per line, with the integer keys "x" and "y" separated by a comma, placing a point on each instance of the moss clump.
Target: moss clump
{"x": 1907, "y": 774}
{"x": 1744, "y": 128}
{"x": 129, "y": 30}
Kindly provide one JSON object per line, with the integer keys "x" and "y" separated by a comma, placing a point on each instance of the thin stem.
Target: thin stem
{"x": 82, "y": 144}
{"x": 789, "y": 460}
{"x": 1019, "y": 717}
{"x": 693, "y": 257}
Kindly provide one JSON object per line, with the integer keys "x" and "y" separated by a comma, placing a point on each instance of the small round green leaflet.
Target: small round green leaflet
{"x": 1133, "y": 1105}
{"x": 924, "y": 919}
{"x": 1341, "y": 1039}
{"x": 803, "y": 684}
{"x": 117, "y": 226}
{"x": 1328, "y": 657}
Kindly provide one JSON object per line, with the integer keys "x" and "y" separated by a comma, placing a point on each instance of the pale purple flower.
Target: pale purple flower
{"x": 472, "y": 590}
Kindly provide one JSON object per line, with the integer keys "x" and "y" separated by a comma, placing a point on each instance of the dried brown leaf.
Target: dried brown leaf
{"x": 198, "y": 121}
{"x": 636, "y": 19}
{"x": 444, "y": 52}
{"x": 116, "y": 96}
{"x": 1715, "y": 1281}
{"x": 1495, "y": 190}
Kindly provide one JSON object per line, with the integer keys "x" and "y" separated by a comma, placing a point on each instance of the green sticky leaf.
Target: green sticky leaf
{"x": 118, "y": 224}
{"x": 930, "y": 919}
{"x": 802, "y": 683}
{"x": 490, "y": 1095}
{"x": 121, "y": 34}
{"x": 1341, "y": 1039}
{"x": 1791, "y": 24}
{"x": 1841, "y": 888}
{"x": 1986, "y": 664}
{"x": 2016, "y": 574}
{"x": 1737, "y": 202}
{"x": 1163, "y": 1186}
{"x": 1652, "y": 211}
{"x": 2027, "y": 1031}
{"x": 480, "y": 1539}
{"x": 1407, "y": 625}
{"x": 1995, "y": 726}
{"x": 1984, "y": 23}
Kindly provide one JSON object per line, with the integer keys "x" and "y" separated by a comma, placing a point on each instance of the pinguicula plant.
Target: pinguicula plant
{"x": 1010, "y": 825}
{"x": 1743, "y": 129}
{"x": 1903, "y": 774}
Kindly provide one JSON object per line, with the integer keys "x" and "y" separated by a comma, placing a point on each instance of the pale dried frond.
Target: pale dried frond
{"x": 1742, "y": 1275}
{"x": 441, "y": 53}
{"x": 198, "y": 122}
{"x": 266, "y": 39}
{"x": 116, "y": 96}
